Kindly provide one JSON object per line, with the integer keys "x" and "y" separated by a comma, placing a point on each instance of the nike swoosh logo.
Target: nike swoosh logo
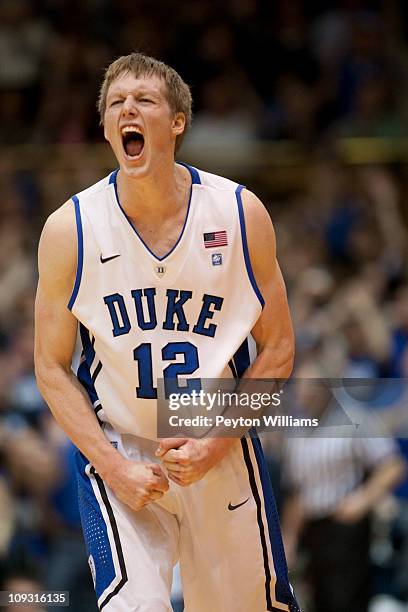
{"x": 231, "y": 507}
{"x": 105, "y": 259}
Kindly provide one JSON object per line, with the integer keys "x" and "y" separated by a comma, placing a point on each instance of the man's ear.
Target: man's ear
{"x": 179, "y": 123}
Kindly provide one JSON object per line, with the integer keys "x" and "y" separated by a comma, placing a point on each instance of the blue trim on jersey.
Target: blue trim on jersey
{"x": 195, "y": 176}
{"x": 113, "y": 180}
{"x": 283, "y": 591}
{"x": 241, "y": 358}
{"x": 245, "y": 246}
{"x": 88, "y": 349}
{"x": 80, "y": 260}
{"x": 84, "y": 370}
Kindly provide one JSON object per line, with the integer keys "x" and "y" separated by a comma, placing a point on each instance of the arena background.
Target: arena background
{"x": 306, "y": 104}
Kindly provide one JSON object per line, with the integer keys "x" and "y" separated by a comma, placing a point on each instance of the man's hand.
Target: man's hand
{"x": 188, "y": 461}
{"x": 352, "y": 508}
{"x": 385, "y": 476}
{"x": 137, "y": 484}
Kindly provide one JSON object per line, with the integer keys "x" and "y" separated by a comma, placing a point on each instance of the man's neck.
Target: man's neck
{"x": 159, "y": 197}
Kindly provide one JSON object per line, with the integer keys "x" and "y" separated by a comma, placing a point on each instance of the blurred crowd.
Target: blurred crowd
{"x": 296, "y": 70}
{"x": 284, "y": 69}
{"x": 342, "y": 247}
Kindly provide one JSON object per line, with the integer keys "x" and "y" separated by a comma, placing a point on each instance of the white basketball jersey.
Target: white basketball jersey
{"x": 186, "y": 315}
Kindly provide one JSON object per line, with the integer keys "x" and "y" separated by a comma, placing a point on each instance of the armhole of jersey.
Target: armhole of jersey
{"x": 80, "y": 257}
{"x": 245, "y": 246}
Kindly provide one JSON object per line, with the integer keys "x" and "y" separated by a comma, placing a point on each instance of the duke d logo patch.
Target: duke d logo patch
{"x": 160, "y": 270}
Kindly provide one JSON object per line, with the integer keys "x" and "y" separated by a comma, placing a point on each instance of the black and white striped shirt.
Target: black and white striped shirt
{"x": 323, "y": 470}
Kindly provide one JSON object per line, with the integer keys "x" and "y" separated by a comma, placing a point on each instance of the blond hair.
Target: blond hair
{"x": 177, "y": 91}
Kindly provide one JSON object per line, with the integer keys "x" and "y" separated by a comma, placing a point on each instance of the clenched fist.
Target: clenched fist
{"x": 137, "y": 484}
{"x": 188, "y": 460}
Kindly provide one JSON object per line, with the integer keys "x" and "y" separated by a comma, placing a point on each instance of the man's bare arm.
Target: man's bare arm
{"x": 384, "y": 478}
{"x": 55, "y": 337}
{"x": 292, "y": 521}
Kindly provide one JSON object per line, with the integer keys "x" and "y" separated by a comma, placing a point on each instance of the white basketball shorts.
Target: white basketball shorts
{"x": 224, "y": 531}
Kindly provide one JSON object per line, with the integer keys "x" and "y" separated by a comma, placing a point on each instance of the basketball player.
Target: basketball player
{"x": 166, "y": 270}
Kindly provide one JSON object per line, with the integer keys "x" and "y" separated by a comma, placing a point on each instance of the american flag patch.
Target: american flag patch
{"x": 215, "y": 239}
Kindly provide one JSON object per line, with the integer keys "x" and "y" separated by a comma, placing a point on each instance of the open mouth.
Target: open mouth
{"x": 133, "y": 141}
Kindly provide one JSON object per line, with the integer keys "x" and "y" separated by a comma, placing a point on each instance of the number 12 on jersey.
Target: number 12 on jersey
{"x": 143, "y": 355}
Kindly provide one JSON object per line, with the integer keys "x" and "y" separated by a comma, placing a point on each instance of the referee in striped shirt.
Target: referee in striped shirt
{"x": 332, "y": 485}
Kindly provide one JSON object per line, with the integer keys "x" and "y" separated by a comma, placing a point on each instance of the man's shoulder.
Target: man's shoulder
{"x": 96, "y": 188}
{"x": 214, "y": 181}
{"x": 63, "y": 226}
